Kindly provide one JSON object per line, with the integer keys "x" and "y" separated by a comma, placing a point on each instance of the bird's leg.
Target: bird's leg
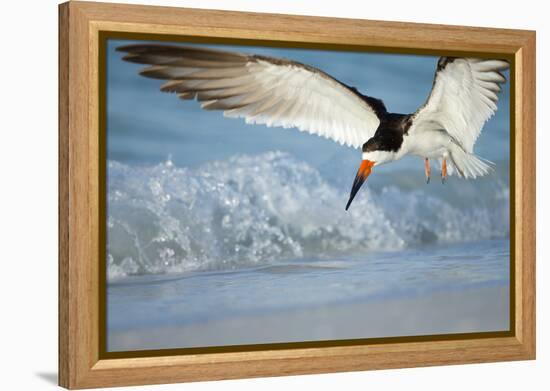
{"x": 443, "y": 170}
{"x": 427, "y": 169}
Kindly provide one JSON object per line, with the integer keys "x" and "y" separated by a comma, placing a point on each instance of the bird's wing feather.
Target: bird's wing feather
{"x": 463, "y": 98}
{"x": 262, "y": 90}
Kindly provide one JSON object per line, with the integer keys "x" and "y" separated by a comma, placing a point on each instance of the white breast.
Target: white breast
{"x": 430, "y": 144}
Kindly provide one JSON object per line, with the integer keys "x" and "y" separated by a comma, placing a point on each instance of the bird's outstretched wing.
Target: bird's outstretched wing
{"x": 263, "y": 90}
{"x": 463, "y": 98}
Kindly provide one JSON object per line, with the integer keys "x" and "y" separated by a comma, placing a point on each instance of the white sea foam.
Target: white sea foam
{"x": 252, "y": 210}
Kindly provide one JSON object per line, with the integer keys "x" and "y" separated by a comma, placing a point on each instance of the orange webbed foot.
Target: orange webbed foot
{"x": 427, "y": 169}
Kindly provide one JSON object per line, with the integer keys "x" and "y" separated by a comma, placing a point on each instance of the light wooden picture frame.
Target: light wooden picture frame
{"x": 83, "y": 361}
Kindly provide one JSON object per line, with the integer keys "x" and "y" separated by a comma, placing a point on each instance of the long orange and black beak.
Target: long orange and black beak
{"x": 362, "y": 174}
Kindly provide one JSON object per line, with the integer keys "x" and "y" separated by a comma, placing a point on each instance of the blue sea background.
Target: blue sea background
{"x": 212, "y": 219}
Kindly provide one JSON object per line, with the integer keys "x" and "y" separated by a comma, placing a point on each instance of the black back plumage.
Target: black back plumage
{"x": 390, "y": 133}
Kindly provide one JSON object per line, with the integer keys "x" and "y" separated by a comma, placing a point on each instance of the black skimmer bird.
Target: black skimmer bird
{"x": 286, "y": 93}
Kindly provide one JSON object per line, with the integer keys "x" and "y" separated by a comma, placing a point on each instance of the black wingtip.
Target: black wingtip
{"x": 126, "y": 48}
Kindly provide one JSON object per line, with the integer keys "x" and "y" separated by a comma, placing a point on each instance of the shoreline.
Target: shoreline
{"x": 477, "y": 309}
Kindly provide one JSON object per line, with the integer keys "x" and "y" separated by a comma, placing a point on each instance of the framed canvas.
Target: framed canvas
{"x": 198, "y": 241}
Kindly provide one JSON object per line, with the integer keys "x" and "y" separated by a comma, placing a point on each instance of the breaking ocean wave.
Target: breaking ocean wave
{"x": 250, "y": 211}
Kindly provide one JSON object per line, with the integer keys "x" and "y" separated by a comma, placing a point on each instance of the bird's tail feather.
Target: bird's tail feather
{"x": 469, "y": 165}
